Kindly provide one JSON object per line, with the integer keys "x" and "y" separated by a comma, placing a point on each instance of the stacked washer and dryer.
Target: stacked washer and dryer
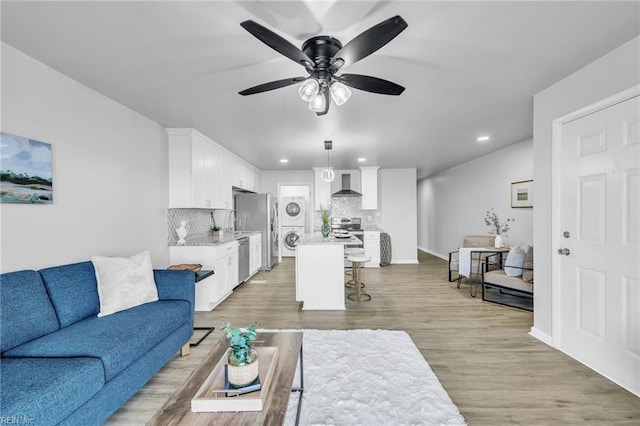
{"x": 293, "y": 223}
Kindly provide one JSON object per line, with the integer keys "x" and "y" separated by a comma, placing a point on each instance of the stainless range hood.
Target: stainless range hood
{"x": 346, "y": 190}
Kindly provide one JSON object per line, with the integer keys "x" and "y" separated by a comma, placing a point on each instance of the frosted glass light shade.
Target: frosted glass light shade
{"x": 327, "y": 174}
{"x": 340, "y": 93}
{"x": 318, "y": 104}
{"x": 309, "y": 89}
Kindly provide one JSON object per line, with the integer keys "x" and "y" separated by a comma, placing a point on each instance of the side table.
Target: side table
{"x": 465, "y": 270}
{"x": 201, "y": 275}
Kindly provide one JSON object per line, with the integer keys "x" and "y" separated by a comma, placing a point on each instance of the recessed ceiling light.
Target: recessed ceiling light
{"x": 362, "y": 159}
{"x": 284, "y": 160}
{"x": 483, "y": 138}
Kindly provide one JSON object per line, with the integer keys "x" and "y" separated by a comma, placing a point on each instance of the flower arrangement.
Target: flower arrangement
{"x": 241, "y": 343}
{"x": 492, "y": 220}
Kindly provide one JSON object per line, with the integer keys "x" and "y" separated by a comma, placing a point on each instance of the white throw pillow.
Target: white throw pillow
{"x": 514, "y": 258}
{"x": 124, "y": 282}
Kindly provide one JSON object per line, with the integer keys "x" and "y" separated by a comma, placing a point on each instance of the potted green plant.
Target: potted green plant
{"x": 243, "y": 364}
{"x": 215, "y": 229}
{"x": 326, "y": 219}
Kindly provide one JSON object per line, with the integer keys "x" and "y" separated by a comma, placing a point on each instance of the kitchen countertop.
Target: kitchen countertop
{"x": 318, "y": 239}
{"x": 206, "y": 239}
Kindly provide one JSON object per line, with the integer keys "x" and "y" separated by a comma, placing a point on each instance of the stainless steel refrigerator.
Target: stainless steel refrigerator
{"x": 259, "y": 212}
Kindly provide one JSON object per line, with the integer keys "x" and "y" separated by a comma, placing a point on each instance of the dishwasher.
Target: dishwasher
{"x": 243, "y": 259}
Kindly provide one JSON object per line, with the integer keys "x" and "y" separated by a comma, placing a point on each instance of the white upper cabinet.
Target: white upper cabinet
{"x": 202, "y": 173}
{"x": 193, "y": 170}
{"x": 241, "y": 174}
{"x": 369, "y": 187}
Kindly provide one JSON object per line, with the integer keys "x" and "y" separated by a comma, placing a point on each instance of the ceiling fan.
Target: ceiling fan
{"x": 323, "y": 57}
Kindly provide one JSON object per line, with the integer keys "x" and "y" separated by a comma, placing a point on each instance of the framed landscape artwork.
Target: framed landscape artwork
{"x": 522, "y": 194}
{"x": 25, "y": 170}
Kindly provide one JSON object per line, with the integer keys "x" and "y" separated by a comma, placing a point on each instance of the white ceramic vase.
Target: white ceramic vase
{"x": 245, "y": 374}
{"x": 499, "y": 243}
{"x": 182, "y": 232}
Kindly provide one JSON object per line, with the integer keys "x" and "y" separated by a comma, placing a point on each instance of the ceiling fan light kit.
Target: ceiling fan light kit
{"x": 323, "y": 57}
{"x": 318, "y": 104}
{"x": 340, "y": 93}
{"x": 309, "y": 89}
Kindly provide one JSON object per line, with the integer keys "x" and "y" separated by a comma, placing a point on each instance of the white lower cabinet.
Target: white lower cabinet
{"x": 255, "y": 254}
{"x": 226, "y": 269}
{"x": 222, "y": 259}
{"x": 372, "y": 248}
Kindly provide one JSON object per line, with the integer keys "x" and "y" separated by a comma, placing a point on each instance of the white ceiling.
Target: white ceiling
{"x": 469, "y": 68}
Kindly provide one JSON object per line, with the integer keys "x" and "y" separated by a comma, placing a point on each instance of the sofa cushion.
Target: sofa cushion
{"x": 124, "y": 282}
{"x": 73, "y": 290}
{"x": 47, "y": 390}
{"x": 118, "y": 340}
{"x": 26, "y": 312}
{"x": 478, "y": 241}
{"x": 498, "y": 277}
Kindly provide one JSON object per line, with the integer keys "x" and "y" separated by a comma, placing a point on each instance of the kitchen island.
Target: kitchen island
{"x": 320, "y": 271}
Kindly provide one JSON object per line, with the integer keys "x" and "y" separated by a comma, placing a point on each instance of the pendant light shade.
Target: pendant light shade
{"x": 340, "y": 93}
{"x": 309, "y": 90}
{"x": 327, "y": 174}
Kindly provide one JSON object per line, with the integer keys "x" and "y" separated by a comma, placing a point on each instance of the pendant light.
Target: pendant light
{"x": 327, "y": 173}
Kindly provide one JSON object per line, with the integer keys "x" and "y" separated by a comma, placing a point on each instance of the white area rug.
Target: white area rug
{"x": 369, "y": 377}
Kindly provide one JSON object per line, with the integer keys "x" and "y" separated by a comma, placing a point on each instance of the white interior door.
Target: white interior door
{"x": 600, "y": 222}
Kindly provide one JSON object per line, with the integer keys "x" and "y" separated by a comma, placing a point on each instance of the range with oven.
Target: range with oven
{"x": 350, "y": 225}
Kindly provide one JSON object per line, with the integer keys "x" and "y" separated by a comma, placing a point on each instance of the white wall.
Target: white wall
{"x": 269, "y": 179}
{"x": 110, "y": 172}
{"x": 613, "y": 73}
{"x": 453, "y": 203}
{"x": 397, "y": 212}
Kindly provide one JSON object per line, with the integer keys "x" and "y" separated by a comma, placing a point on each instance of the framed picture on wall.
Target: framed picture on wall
{"x": 25, "y": 170}
{"x": 522, "y": 194}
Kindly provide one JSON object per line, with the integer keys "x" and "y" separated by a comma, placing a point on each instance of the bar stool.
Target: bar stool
{"x": 357, "y": 260}
{"x": 349, "y": 270}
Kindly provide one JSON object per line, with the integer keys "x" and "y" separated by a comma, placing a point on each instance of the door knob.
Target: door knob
{"x": 564, "y": 251}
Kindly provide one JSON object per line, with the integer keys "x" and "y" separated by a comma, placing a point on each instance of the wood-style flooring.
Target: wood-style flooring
{"x": 493, "y": 370}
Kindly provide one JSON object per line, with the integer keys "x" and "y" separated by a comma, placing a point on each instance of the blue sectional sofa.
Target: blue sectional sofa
{"x": 61, "y": 364}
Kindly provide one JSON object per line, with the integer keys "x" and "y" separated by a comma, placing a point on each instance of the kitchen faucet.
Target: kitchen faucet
{"x": 230, "y": 224}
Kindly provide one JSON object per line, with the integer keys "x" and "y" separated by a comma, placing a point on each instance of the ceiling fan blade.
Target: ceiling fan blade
{"x": 277, "y": 43}
{"x": 272, "y": 85}
{"x": 368, "y": 42}
{"x": 370, "y": 84}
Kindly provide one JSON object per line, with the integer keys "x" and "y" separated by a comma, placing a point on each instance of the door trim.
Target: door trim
{"x": 556, "y": 194}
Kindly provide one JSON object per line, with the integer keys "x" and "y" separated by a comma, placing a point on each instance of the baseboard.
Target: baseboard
{"x": 433, "y": 253}
{"x": 542, "y": 336}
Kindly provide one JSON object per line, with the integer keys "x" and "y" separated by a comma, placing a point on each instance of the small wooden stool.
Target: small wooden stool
{"x": 357, "y": 260}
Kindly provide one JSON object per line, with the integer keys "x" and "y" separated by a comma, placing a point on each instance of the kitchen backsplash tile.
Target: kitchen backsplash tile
{"x": 346, "y": 207}
{"x": 198, "y": 221}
